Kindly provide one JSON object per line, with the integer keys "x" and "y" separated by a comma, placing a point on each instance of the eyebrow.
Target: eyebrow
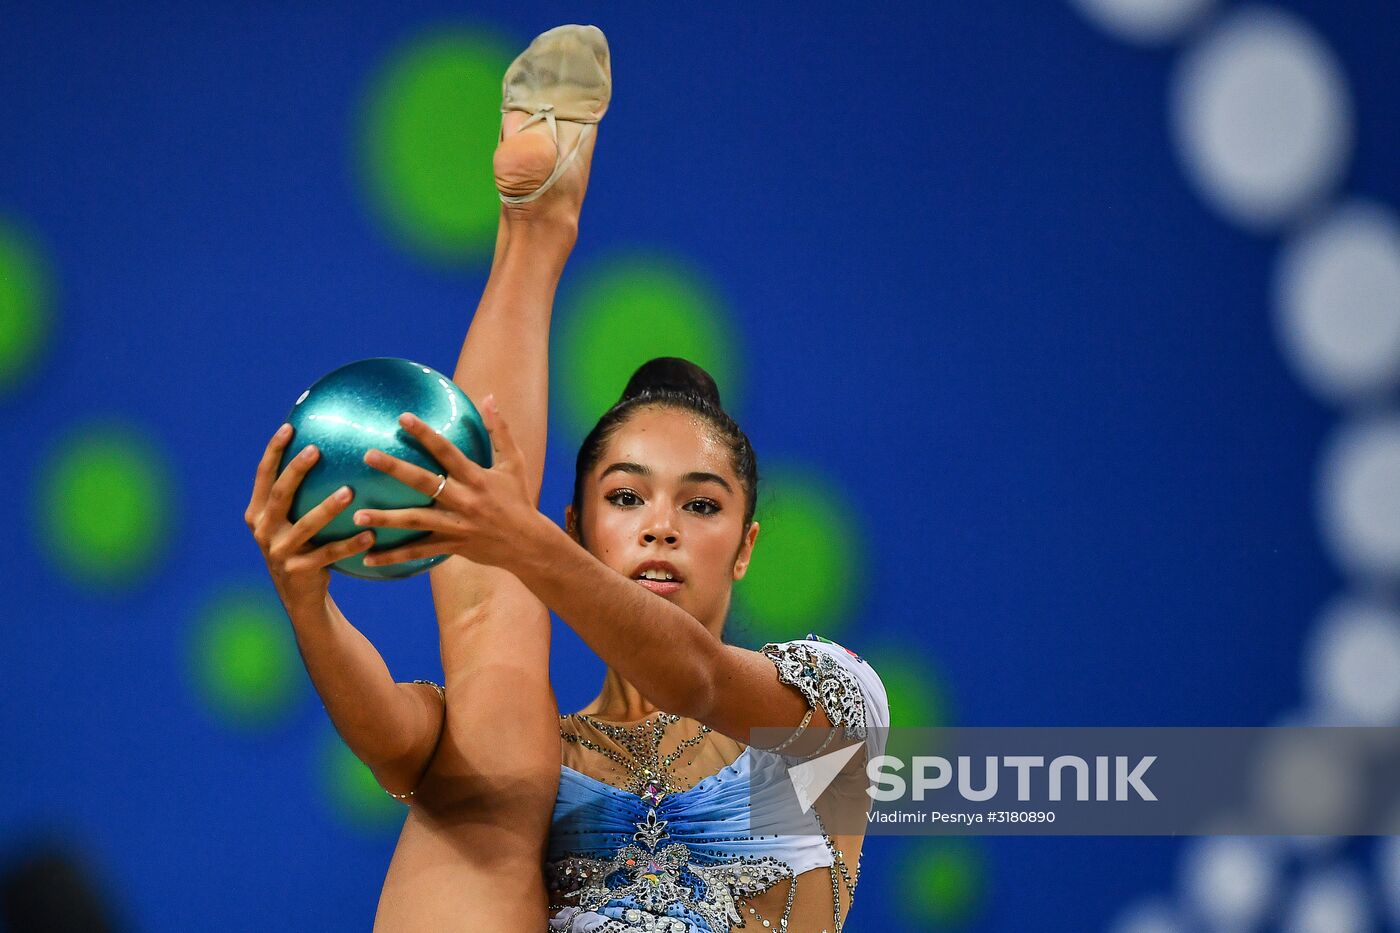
{"x": 694, "y": 476}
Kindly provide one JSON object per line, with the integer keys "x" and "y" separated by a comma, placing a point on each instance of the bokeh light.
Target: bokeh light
{"x": 1353, "y": 664}
{"x": 808, "y": 559}
{"x": 1333, "y": 900}
{"x": 244, "y": 659}
{"x": 1146, "y": 21}
{"x": 1359, "y": 497}
{"x": 106, "y": 504}
{"x": 1262, "y": 117}
{"x": 1338, "y": 302}
{"x": 917, "y": 699}
{"x": 354, "y": 792}
{"x": 1388, "y": 870}
{"x": 942, "y": 880}
{"x": 25, "y": 306}
{"x": 626, "y": 312}
{"x": 1231, "y": 881}
{"x": 429, "y": 127}
{"x": 1152, "y": 915}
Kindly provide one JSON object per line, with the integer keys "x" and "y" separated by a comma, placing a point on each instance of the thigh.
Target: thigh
{"x": 460, "y": 873}
{"x": 500, "y": 738}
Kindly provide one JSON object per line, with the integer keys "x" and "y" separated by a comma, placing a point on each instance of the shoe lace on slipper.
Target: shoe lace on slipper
{"x": 561, "y": 162}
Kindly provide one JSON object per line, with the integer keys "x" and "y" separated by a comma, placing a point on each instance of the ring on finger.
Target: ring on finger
{"x": 441, "y": 484}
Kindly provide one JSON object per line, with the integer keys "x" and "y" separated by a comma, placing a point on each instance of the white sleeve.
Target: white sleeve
{"x": 840, "y": 682}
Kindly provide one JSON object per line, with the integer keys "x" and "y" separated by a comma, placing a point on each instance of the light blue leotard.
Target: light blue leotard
{"x": 627, "y": 863}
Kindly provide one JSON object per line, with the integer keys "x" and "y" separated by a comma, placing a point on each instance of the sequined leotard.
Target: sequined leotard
{"x": 636, "y": 852}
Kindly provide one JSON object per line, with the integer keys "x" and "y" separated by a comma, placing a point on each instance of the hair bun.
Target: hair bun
{"x": 671, "y": 373}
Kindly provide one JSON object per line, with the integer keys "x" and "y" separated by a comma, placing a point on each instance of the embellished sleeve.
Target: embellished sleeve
{"x": 838, "y": 681}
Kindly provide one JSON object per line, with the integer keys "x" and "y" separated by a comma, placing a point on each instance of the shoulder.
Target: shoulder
{"x": 835, "y": 677}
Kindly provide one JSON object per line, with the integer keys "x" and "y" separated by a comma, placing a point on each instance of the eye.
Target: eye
{"x": 613, "y": 497}
{"x": 713, "y": 506}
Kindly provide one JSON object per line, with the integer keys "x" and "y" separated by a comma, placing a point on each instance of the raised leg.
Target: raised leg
{"x": 501, "y": 715}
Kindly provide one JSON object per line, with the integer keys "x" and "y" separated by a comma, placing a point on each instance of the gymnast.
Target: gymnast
{"x": 633, "y": 813}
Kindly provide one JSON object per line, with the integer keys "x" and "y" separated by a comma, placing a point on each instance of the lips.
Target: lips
{"x": 659, "y": 587}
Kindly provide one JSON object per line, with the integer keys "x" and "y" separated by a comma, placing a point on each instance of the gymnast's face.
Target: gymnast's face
{"x": 664, "y": 490}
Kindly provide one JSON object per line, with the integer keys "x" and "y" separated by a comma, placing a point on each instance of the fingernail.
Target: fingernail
{"x": 361, "y": 518}
{"x": 343, "y": 493}
{"x": 284, "y": 430}
{"x": 309, "y": 452}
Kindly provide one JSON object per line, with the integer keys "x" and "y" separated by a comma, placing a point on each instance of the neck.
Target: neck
{"x": 618, "y": 701}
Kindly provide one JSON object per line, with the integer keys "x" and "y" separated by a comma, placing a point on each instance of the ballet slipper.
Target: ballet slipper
{"x": 564, "y": 79}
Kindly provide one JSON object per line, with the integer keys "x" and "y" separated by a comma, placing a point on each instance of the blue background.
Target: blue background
{"x": 976, "y": 289}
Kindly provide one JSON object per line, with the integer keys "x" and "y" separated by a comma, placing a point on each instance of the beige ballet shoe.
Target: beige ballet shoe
{"x": 563, "y": 78}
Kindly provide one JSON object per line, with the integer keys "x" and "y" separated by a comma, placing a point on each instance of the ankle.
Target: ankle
{"x": 540, "y": 225}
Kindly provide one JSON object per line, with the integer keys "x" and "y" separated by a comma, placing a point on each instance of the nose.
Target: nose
{"x": 660, "y": 528}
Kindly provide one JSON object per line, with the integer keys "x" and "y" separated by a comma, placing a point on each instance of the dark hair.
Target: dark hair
{"x": 671, "y": 382}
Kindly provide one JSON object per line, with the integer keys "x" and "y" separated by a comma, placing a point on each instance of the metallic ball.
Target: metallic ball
{"x": 355, "y": 408}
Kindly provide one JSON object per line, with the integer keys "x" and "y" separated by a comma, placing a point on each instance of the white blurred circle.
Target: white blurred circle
{"x": 1388, "y": 864}
{"x": 1261, "y": 116}
{"x": 1333, "y": 901}
{"x": 1153, "y": 916}
{"x": 1308, "y": 783}
{"x": 1359, "y": 497}
{"x": 1231, "y": 881}
{"x": 1352, "y": 664}
{"x": 1146, "y": 21}
{"x": 1337, "y": 298}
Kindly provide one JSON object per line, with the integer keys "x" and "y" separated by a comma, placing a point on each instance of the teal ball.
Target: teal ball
{"x": 355, "y": 408}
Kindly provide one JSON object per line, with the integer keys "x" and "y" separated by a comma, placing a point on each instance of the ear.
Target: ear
{"x": 741, "y": 560}
{"x": 571, "y": 523}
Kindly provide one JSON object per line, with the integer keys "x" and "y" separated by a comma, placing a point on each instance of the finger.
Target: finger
{"x": 328, "y": 554}
{"x": 428, "y": 547}
{"x": 422, "y": 519}
{"x": 267, "y": 471}
{"x": 410, "y": 474}
{"x": 280, "y": 500}
{"x": 502, "y": 440}
{"x": 444, "y": 451}
{"x": 313, "y": 521}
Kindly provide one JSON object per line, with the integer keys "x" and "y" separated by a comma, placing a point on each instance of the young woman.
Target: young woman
{"x": 479, "y": 761}
{"x": 652, "y": 827}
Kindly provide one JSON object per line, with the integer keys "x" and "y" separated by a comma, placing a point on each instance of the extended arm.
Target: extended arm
{"x": 392, "y": 727}
{"x": 656, "y": 646}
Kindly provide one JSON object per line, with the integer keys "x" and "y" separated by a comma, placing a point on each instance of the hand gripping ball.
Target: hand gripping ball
{"x": 355, "y": 408}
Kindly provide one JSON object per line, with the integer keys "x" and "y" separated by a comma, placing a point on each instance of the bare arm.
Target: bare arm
{"x": 391, "y": 727}
{"x": 656, "y": 646}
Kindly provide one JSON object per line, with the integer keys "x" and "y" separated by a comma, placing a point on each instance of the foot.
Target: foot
{"x": 525, "y": 158}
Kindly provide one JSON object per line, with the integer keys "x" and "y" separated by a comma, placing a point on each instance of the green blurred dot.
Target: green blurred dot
{"x": 105, "y": 505}
{"x": 627, "y": 312}
{"x": 917, "y": 699}
{"x": 429, "y": 128}
{"x": 355, "y": 793}
{"x": 807, "y": 561}
{"x": 245, "y": 659}
{"x": 24, "y": 307}
{"x": 943, "y": 881}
